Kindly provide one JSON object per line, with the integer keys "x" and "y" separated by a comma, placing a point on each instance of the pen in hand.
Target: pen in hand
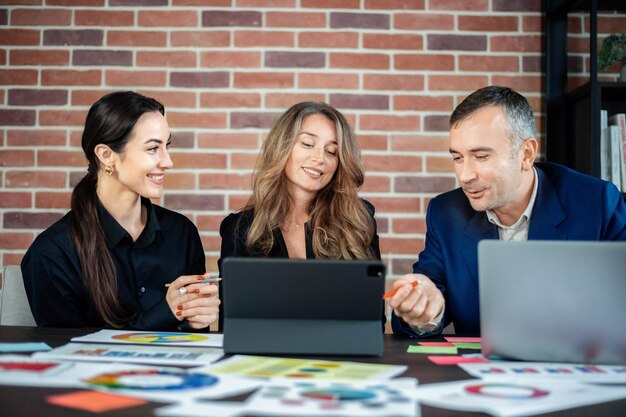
{"x": 213, "y": 277}
{"x": 393, "y": 292}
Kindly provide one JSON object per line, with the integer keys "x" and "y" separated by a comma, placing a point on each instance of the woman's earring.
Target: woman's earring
{"x": 109, "y": 170}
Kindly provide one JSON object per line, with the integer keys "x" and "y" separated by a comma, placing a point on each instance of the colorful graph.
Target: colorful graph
{"x": 160, "y": 338}
{"x": 152, "y": 380}
{"x": 506, "y": 391}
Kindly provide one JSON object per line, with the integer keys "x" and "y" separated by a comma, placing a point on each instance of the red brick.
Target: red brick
{"x": 237, "y": 202}
{"x": 523, "y": 84}
{"x": 243, "y": 160}
{"x": 393, "y": 163}
{"x": 52, "y": 200}
{"x": 457, "y": 42}
{"x": 103, "y": 18}
{"x": 166, "y": 59}
{"x": 39, "y": 137}
{"x": 230, "y": 100}
{"x": 394, "y": 4}
{"x": 71, "y": 77}
{"x": 328, "y": 40}
{"x": 36, "y": 179}
{"x": 202, "y": 79}
{"x": 457, "y": 82}
{"x": 372, "y": 142}
{"x": 489, "y": 23}
{"x": 360, "y": 101}
{"x": 384, "y": 41}
{"x": 138, "y": 3}
{"x": 217, "y": 18}
{"x": 75, "y": 2}
{"x": 196, "y": 119}
{"x": 209, "y": 222}
{"x": 183, "y": 139}
{"x": 516, "y": 5}
{"x": 22, "y": 2}
{"x": 412, "y": 225}
{"x": 136, "y": 38}
{"x": 12, "y": 258}
{"x": 423, "y": 184}
{"x": 359, "y": 20}
{"x": 396, "y": 204}
{"x": 488, "y": 63}
{"x": 62, "y": 117}
{"x": 18, "y": 77}
{"x": 172, "y": 98}
{"x": 532, "y": 24}
{"x": 39, "y": 57}
{"x": 517, "y": 43}
{"x": 61, "y": 158}
{"x": 439, "y": 164}
{"x": 225, "y": 181}
{"x": 393, "y": 82}
{"x": 228, "y": 140}
{"x": 459, "y": 5}
{"x": 357, "y": 60}
{"x": 3, "y": 57}
{"x": 21, "y": 220}
{"x": 14, "y": 117}
{"x": 37, "y": 97}
{"x": 330, "y": 4}
{"x": 135, "y": 78}
{"x": 295, "y": 20}
{"x": 194, "y": 201}
{"x": 86, "y": 97}
{"x": 263, "y": 80}
{"x": 180, "y": 181}
{"x": 424, "y": 62}
{"x": 609, "y": 24}
{"x": 266, "y": 3}
{"x": 423, "y": 103}
{"x": 13, "y": 199}
{"x": 199, "y": 39}
{"x": 211, "y": 243}
{"x": 420, "y": 21}
{"x": 401, "y": 245}
{"x": 233, "y": 59}
{"x": 41, "y": 17}
{"x": 377, "y": 184}
{"x": 247, "y": 38}
{"x": 436, "y": 122}
{"x": 15, "y": 240}
{"x": 326, "y": 80}
{"x": 286, "y": 100}
{"x": 420, "y": 143}
{"x": 14, "y": 158}
{"x": 242, "y": 120}
{"x": 203, "y": 3}
{"x": 73, "y": 37}
{"x": 19, "y": 37}
{"x": 168, "y": 18}
{"x": 291, "y": 59}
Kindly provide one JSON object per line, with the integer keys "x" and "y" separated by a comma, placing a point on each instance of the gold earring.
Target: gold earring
{"x": 109, "y": 170}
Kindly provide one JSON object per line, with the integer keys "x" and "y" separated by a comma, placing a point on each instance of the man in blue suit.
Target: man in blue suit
{"x": 503, "y": 195}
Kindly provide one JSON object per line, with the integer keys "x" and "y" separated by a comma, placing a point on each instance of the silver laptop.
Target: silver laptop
{"x": 557, "y": 301}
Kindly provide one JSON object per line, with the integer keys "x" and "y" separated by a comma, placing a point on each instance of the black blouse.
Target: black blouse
{"x": 168, "y": 247}
{"x": 234, "y": 232}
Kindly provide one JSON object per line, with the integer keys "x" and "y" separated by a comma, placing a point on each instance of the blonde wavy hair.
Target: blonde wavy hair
{"x": 342, "y": 226}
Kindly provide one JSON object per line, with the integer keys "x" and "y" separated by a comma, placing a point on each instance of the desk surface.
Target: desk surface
{"x": 30, "y": 401}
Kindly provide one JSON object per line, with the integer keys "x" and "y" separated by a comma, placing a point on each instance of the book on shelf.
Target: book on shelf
{"x": 617, "y": 124}
{"x": 605, "y": 147}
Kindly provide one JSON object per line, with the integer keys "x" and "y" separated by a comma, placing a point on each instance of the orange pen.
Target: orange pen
{"x": 393, "y": 292}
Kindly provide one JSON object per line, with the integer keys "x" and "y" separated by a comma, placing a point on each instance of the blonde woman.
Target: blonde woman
{"x": 304, "y": 201}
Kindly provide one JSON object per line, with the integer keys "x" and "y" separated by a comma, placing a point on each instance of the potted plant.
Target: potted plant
{"x": 613, "y": 50}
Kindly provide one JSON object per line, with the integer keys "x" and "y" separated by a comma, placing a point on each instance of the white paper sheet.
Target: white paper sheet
{"x": 161, "y": 355}
{"x": 154, "y": 338}
{"x": 511, "y": 398}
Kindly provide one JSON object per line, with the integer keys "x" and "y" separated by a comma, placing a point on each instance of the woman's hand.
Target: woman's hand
{"x": 198, "y": 303}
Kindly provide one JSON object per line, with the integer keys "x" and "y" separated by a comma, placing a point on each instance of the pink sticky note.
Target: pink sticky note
{"x": 94, "y": 401}
{"x": 455, "y": 360}
{"x": 464, "y": 339}
{"x": 436, "y": 344}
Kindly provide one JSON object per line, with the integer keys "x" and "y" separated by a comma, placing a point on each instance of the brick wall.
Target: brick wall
{"x": 226, "y": 68}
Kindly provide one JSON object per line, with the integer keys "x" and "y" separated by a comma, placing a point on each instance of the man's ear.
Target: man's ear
{"x": 104, "y": 154}
{"x": 529, "y": 150}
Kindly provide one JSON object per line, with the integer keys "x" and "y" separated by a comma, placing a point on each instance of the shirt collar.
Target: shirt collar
{"x": 114, "y": 232}
{"x": 493, "y": 218}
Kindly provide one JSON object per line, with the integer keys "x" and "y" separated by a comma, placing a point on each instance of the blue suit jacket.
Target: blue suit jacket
{"x": 569, "y": 206}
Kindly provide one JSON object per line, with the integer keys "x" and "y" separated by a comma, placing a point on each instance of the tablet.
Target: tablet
{"x": 298, "y": 306}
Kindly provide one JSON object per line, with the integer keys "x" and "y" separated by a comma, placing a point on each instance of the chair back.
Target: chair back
{"x": 14, "y": 306}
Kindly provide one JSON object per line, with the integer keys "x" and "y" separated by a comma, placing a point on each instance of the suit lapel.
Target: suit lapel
{"x": 477, "y": 229}
{"x": 547, "y": 213}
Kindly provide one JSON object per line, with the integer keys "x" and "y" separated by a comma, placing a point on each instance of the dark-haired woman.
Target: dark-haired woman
{"x": 107, "y": 261}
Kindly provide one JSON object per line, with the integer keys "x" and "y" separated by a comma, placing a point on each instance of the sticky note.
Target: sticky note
{"x": 24, "y": 347}
{"x": 440, "y": 344}
{"x": 432, "y": 349}
{"x": 467, "y": 345}
{"x": 463, "y": 339}
{"x": 455, "y": 360}
{"x": 94, "y": 401}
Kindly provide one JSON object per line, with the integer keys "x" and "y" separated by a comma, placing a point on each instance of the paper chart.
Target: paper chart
{"x": 309, "y": 369}
{"x": 154, "y": 338}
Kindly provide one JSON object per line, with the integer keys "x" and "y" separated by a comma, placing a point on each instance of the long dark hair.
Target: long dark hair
{"x": 109, "y": 121}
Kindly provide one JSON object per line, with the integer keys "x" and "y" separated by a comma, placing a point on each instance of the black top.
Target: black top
{"x": 168, "y": 247}
{"x": 234, "y": 232}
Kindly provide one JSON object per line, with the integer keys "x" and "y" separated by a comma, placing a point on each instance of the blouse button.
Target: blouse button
{"x": 142, "y": 289}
